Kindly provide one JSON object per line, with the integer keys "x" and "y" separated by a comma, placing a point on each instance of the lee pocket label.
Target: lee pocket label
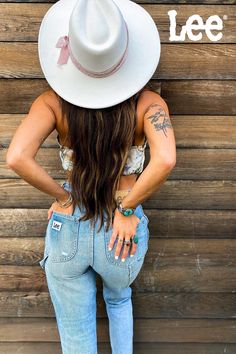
{"x": 56, "y": 225}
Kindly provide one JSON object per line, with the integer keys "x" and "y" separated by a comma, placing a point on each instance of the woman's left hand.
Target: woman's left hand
{"x": 124, "y": 227}
{"x": 56, "y": 207}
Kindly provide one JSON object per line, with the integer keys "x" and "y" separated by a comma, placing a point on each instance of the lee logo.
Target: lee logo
{"x": 56, "y": 225}
{"x": 212, "y": 23}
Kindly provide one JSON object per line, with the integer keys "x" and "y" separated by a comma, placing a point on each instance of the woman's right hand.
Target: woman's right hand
{"x": 123, "y": 228}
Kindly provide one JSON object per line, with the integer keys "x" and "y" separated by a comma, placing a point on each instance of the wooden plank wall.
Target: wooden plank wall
{"x": 184, "y": 297}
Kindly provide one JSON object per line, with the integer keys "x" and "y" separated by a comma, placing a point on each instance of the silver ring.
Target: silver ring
{"x": 127, "y": 242}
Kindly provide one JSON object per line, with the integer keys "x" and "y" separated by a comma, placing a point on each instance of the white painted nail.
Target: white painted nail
{"x": 131, "y": 255}
{"x": 116, "y": 257}
{"x": 123, "y": 259}
{"x": 109, "y": 249}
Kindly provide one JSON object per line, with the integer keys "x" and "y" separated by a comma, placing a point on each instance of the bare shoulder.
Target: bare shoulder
{"x": 150, "y": 99}
{"x": 50, "y": 99}
{"x": 149, "y": 102}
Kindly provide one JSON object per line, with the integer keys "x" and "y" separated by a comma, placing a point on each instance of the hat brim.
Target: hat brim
{"x": 89, "y": 92}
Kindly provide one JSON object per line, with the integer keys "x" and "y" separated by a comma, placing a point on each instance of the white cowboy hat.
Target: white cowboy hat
{"x": 98, "y": 53}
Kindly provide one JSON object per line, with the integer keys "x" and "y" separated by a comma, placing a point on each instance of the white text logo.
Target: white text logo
{"x": 212, "y": 23}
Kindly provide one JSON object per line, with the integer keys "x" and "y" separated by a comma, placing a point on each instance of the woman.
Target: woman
{"x": 104, "y": 114}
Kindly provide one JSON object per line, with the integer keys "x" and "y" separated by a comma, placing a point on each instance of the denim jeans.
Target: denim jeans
{"x": 74, "y": 253}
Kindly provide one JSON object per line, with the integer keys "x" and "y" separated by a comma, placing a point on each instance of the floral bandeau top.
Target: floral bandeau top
{"x": 134, "y": 162}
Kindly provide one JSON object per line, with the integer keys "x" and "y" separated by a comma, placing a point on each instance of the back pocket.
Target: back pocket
{"x": 63, "y": 237}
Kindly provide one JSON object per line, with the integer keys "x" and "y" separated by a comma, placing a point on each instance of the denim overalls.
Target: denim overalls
{"x": 74, "y": 253}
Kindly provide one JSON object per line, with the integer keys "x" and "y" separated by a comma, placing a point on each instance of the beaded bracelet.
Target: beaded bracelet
{"x": 67, "y": 203}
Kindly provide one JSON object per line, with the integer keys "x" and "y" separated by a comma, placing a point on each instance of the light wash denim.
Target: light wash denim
{"x": 74, "y": 253}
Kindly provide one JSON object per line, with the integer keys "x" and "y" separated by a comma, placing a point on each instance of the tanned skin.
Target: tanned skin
{"x": 160, "y": 119}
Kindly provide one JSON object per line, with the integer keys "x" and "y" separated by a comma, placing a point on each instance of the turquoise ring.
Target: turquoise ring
{"x": 135, "y": 239}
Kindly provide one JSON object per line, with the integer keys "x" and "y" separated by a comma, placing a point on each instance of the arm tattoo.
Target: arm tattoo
{"x": 158, "y": 115}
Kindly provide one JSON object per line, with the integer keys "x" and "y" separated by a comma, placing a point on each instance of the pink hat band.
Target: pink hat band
{"x": 64, "y": 43}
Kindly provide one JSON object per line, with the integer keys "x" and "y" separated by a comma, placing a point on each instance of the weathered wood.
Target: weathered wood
{"x": 197, "y": 61}
{"x": 152, "y": 278}
{"x": 15, "y": 53}
{"x": 21, "y": 93}
{"x": 139, "y": 348}
{"x": 194, "y": 195}
{"x": 160, "y": 305}
{"x": 199, "y": 164}
{"x": 20, "y": 22}
{"x": 186, "y": 279}
{"x": 204, "y": 164}
{"x": 197, "y": 2}
{"x": 200, "y": 97}
{"x": 162, "y": 223}
{"x": 55, "y": 348}
{"x": 174, "y": 2}
{"x": 192, "y": 223}
{"x": 182, "y": 348}
{"x": 195, "y": 131}
{"x": 23, "y": 222}
{"x": 175, "y": 194}
{"x": 145, "y": 330}
{"x": 37, "y": 348}
{"x": 191, "y": 131}
{"x": 178, "y": 61}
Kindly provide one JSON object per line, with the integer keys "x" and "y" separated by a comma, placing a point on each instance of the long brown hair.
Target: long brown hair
{"x": 100, "y": 140}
